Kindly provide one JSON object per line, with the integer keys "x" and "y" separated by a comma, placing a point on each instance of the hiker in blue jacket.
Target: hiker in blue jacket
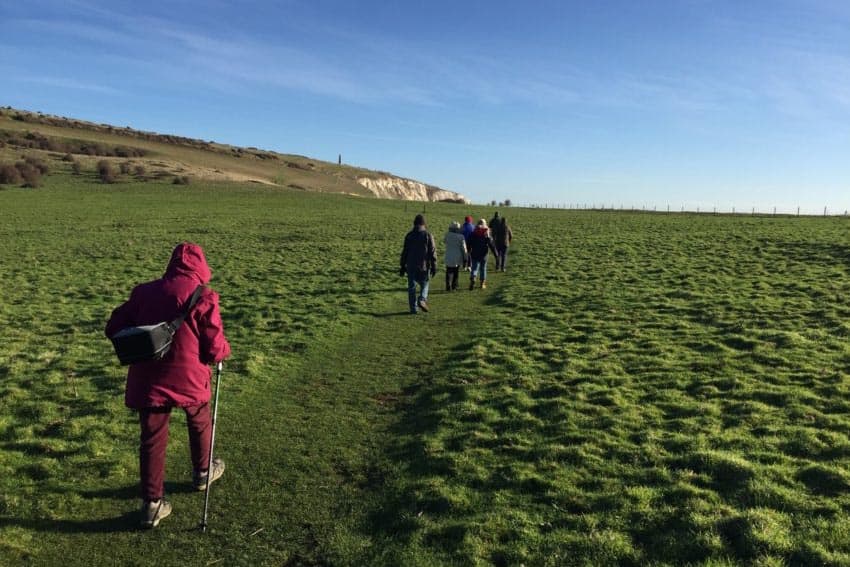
{"x": 467, "y": 229}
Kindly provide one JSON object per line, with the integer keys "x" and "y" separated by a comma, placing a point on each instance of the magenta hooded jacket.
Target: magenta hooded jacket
{"x": 182, "y": 377}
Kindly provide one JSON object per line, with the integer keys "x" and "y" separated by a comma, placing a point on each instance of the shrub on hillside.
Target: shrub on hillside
{"x": 9, "y": 175}
{"x": 106, "y": 172}
{"x": 124, "y": 166}
{"x": 125, "y": 152}
{"x": 76, "y": 168}
{"x": 181, "y": 180}
{"x": 139, "y": 170}
{"x": 38, "y": 164}
{"x": 68, "y": 157}
{"x": 30, "y": 173}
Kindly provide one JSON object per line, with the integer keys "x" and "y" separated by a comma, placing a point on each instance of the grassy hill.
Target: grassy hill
{"x": 50, "y": 138}
{"x": 637, "y": 389}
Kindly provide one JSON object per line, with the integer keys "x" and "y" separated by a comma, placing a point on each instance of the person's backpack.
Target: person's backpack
{"x": 150, "y": 342}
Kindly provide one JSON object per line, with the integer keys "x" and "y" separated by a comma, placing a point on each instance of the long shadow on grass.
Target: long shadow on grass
{"x": 123, "y": 523}
{"x": 128, "y": 521}
{"x": 394, "y": 314}
{"x": 131, "y": 491}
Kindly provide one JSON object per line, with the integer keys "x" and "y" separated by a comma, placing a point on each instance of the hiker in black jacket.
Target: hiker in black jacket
{"x": 419, "y": 262}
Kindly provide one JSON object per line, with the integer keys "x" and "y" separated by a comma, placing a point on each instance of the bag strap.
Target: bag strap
{"x": 175, "y": 324}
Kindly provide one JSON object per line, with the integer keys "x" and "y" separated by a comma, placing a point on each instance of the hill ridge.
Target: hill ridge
{"x": 211, "y": 160}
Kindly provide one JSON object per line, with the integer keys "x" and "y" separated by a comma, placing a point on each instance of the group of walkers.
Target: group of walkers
{"x": 181, "y": 377}
{"x": 467, "y": 247}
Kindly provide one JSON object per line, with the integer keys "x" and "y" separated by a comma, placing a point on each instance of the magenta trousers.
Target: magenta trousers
{"x": 153, "y": 442}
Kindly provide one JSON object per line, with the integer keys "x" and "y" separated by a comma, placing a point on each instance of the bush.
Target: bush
{"x": 38, "y": 164}
{"x": 124, "y": 166}
{"x": 30, "y": 173}
{"x": 67, "y": 157}
{"x": 139, "y": 170}
{"x": 106, "y": 172}
{"x": 76, "y": 167}
{"x": 181, "y": 180}
{"x": 9, "y": 175}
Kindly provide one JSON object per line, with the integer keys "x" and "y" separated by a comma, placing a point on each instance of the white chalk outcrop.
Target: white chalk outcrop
{"x": 406, "y": 189}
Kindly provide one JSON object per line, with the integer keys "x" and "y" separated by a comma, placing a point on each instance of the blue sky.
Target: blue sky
{"x": 693, "y": 103}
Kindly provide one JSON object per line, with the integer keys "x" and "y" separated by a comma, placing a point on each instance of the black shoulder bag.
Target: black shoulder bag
{"x": 150, "y": 342}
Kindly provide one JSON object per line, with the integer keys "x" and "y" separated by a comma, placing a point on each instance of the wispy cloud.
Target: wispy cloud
{"x": 364, "y": 69}
{"x": 67, "y": 83}
{"x": 786, "y": 70}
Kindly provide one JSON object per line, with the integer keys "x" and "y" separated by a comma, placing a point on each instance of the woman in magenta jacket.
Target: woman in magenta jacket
{"x": 181, "y": 379}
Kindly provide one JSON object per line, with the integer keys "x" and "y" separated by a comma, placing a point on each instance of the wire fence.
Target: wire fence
{"x": 685, "y": 209}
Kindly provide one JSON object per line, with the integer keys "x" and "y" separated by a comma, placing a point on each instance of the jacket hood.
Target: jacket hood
{"x": 188, "y": 260}
{"x": 481, "y": 230}
{"x": 454, "y": 226}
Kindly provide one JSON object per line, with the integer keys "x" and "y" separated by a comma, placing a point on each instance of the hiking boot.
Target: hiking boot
{"x": 153, "y": 511}
{"x": 471, "y": 284}
{"x": 483, "y": 284}
{"x": 423, "y": 305}
{"x": 199, "y": 479}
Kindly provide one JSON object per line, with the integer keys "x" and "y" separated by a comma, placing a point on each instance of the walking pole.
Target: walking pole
{"x": 212, "y": 444}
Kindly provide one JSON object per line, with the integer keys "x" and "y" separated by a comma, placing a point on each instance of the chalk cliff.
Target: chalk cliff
{"x": 390, "y": 187}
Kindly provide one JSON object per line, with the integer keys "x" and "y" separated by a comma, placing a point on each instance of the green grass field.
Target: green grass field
{"x": 638, "y": 389}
